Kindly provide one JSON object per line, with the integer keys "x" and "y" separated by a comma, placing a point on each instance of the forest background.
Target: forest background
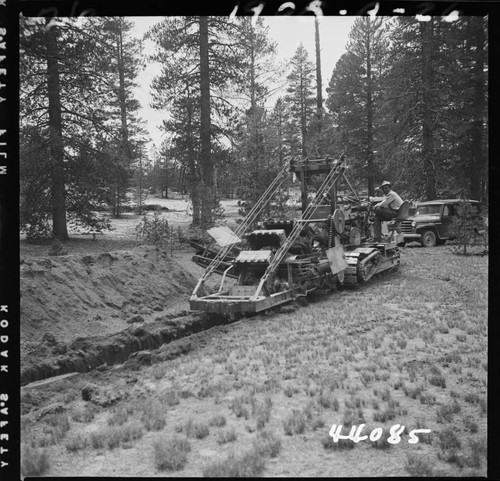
{"x": 406, "y": 102}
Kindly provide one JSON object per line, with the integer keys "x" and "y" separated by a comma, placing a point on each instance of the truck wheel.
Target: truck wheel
{"x": 428, "y": 239}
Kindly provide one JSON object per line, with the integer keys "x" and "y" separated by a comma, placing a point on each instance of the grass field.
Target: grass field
{"x": 259, "y": 396}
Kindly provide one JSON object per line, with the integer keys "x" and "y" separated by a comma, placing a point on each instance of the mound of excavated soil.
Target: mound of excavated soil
{"x": 67, "y": 297}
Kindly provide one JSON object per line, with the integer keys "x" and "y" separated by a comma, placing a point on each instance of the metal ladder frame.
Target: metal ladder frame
{"x": 331, "y": 179}
{"x": 249, "y": 220}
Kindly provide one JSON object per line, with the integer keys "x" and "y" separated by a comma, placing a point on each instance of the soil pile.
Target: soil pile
{"x": 67, "y": 297}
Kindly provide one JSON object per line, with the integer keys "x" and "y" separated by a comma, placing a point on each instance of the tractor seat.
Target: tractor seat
{"x": 403, "y": 212}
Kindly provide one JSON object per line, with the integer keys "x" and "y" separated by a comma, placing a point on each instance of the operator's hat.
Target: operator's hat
{"x": 384, "y": 183}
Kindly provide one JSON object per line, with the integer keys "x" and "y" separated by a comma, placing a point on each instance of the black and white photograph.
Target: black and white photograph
{"x": 254, "y": 245}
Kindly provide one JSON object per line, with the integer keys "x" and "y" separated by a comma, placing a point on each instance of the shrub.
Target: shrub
{"x": 83, "y": 414}
{"x": 328, "y": 443}
{"x": 123, "y": 435}
{"x": 118, "y": 417}
{"x": 477, "y": 449}
{"x": 318, "y": 423}
{"x": 247, "y": 465}
{"x": 196, "y": 430}
{"x": 445, "y": 412}
{"x": 295, "y": 423}
{"x": 218, "y": 421}
{"x": 413, "y": 392}
{"x": 448, "y": 439}
{"x": 239, "y": 408}
{"x": 464, "y": 224}
{"x": 153, "y": 231}
{"x": 326, "y": 399}
{"x": 34, "y": 462}
{"x": 76, "y": 442}
{"x": 267, "y": 444}
{"x": 383, "y": 416}
{"x": 227, "y": 436}
{"x": 171, "y": 398}
{"x": 428, "y": 398}
{"x": 262, "y": 412}
{"x": 452, "y": 456}
{"x": 418, "y": 467}
{"x": 57, "y": 427}
{"x": 97, "y": 439}
{"x": 171, "y": 453}
{"x": 472, "y": 398}
{"x": 438, "y": 380}
{"x": 153, "y": 416}
{"x": 470, "y": 425}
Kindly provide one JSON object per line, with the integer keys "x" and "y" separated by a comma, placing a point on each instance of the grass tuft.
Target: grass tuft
{"x": 228, "y": 436}
{"x": 445, "y": 412}
{"x": 342, "y": 444}
{"x": 218, "y": 421}
{"x": 171, "y": 453}
{"x": 448, "y": 439}
{"x": 437, "y": 380}
{"x": 295, "y": 423}
{"x": 247, "y": 465}
{"x": 196, "y": 430}
{"x": 267, "y": 444}
{"x": 76, "y": 442}
{"x": 418, "y": 467}
{"x": 34, "y": 462}
{"x": 153, "y": 416}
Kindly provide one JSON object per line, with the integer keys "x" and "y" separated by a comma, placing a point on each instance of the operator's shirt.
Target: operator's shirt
{"x": 391, "y": 200}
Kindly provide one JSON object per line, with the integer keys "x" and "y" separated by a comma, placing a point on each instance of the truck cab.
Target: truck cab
{"x": 432, "y": 222}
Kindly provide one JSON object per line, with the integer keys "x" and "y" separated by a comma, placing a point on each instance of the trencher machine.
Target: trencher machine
{"x": 265, "y": 264}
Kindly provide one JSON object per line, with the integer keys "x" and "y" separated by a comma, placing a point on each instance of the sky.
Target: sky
{"x": 287, "y": 31}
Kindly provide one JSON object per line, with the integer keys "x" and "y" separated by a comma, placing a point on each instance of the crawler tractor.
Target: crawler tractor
{"x": 326, "y": 247}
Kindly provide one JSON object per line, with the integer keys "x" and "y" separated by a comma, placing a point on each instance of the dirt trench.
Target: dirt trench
{"x": 134, "y": 344}
{"x": 79, "y": 312}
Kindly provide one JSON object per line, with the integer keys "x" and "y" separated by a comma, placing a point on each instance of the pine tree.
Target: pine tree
{"x": 253, "y": 160}
{"x": 436, "y": 85}
{"x": 199, "y": 58}
{"x": 66, "y": 95}
{"x": 300, "y": 94}
{"x": 356, "y": 95}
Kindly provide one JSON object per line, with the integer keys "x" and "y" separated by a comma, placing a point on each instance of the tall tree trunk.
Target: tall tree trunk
{"x": 166, "y": 175}
{"x": 303, "y": 117}
{"x": 205, "y": 147}
{"x": 477, "y": 161}
{"x": 253, "y": 97}
{"x": 58, "y": 194}
{"x": 124, "y": 147}
{"x": 193, "y": 176}
{"x": 369, "y": 113}
{"x": 319, "y": 82}
{"x": 426, "y": 30}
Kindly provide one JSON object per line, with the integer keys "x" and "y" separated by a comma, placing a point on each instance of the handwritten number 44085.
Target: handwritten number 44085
{"x": 355, "y": 434}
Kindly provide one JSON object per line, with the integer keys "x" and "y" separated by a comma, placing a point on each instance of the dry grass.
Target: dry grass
{"x": 171, "y": 453}
{"x": 198, "y": 430}
{"x": 294, "y": 423}
{"x": 228, "y": 436}
{"x": 260, "y": 398}
{"x": 247, "y": 465}
{"x": 34, "y": 461}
